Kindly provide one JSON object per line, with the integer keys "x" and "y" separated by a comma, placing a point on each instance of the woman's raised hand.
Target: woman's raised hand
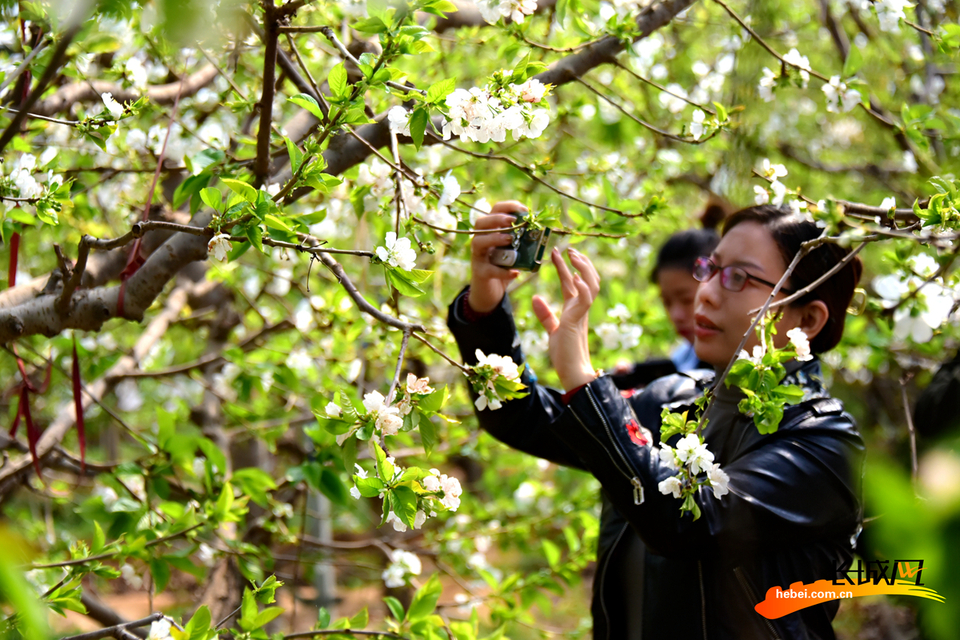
{"x": 488, "y": 282}
{"x": 569, "y": 350}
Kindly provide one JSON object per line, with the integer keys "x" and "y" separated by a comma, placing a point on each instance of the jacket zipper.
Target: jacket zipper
{"x": 753, "y": 598}
{"x": 601, "y": 578}
{"x": 634, "y": 480}
{"x": 703, "y": 599}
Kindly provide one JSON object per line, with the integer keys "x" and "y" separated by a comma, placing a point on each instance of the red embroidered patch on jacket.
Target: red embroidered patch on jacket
{"x": 638, "y": 434}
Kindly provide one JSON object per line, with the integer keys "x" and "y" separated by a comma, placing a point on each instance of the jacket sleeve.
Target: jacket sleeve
{"x": 526, "y": 424}
{"x": 793, "y": 487}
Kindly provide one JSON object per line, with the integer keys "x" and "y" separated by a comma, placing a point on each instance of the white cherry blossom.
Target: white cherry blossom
{"x": 696, "y": 127}
{"x": 840, "y": 98}
{"x": 219, "y": 246}
{"x": 397, "y": 252}
{"x": 793, "y": 57}
{"x": 800, "y": 343}
{"x": 670, "y": 486}
{"x": 114, "y": 107}
{"x": 718, "y": 480}
{"x": 693, "y": 453}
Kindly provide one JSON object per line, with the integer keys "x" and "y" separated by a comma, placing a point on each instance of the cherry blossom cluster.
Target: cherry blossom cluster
{"x": 779, "y": 191}
{"x": 516, "y": 10}
{"x": 22, "y": 182}
{"x": 840, "y": 98}
{"x": 921, "y": 308}
{"x": 403, "y": 566}
{"x": 769, "y": 80}
{"x": 691, "y": 458}
{"x": 495, "y": 378}
{"x": 620, "y": 334}
{"x": 487, "y": 114}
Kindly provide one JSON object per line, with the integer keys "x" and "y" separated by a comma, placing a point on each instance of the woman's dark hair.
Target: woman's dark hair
{"x": 682, "y": 249}
{"x": 790, "y": 230}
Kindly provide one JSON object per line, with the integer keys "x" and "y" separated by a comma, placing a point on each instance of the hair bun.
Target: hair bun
{"x": 715, "y": 213}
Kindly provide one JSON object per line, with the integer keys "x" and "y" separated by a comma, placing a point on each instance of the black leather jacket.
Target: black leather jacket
{"x": 790, "y": 516}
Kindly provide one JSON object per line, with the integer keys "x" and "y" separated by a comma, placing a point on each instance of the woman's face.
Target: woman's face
{"x": 722, "y": 317}
{"x": 678, "y": 291}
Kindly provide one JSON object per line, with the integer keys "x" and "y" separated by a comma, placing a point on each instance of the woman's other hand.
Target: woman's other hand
{"x": 569, "y": 350}
{"x": 488, "y": 282}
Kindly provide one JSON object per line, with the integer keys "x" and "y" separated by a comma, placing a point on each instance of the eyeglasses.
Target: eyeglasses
{"x": 731, "y": 278}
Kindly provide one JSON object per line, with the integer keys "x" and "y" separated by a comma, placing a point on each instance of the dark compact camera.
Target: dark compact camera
{"x": 525, "y": 251}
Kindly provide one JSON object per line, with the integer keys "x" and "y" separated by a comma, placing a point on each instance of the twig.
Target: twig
{"x": 361, "y": 302}
{"x": 642, "y": 123}
{"x": 37, "y": 116}
{"x": 546, "y": 47}
{"x": 231, "y": 614}
{"x": 332, "y": 37}
{"x": 914, "y": 467}
{"x": 530, "y": 174}
{"x": 919, "y": 28}
{"x": 206, "y": 360}
{"x": 441, "y": 353}
{"x": 816, "y": 283}
{"x": 763, "y": 43}
{"x": 663, "y": 89}
{"x": 76, "y": 21}
{"x": 396, "y": 373}
{"x": 343, "y": 632}
{"x": 23, "y": 66}
{"x": 117, "y": 630}
{"x": 104, "y": 556}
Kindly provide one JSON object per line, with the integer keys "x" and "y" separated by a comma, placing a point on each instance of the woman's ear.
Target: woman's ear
{"x": 813, "y": 317}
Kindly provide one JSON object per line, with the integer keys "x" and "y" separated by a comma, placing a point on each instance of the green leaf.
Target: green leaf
{"x": 360, "y": 620}
{"x": 438, "y": 91}
{"x": 323, "y": 618}
{"x": 266, "y": 616}
{"x": 396, "y": 608}
{"x": 332, "y": 487}
{"x": 206, "y": 158}
{"x": 199, "y": 626}
{"x": 418, "y": 125}
{"x": 338, "y": 81}
{"x": 212, "y": 198}
{"x": 255, "y": 234}
{"x": 853, "y": 62}
{"x": 160, "y": 571}
{"x": 242, "y": 189}
{"x": 274, "y": 222}
{"x": 370, "y": 25}
{"x": 370, "y": 487}
{"x": 296, "y": 156}
{"x": 99, "y": 539}
{"x": 404, "y": 503}
{"x": 552, "y": 553}
{"x": 308, "y": 103}
{"x": 428, "y": 435}
{"x": 190, "y": 187}
{"x": 402, "y": 281}
{"x": 248, "y": 610}
{"x": 425, "y": 600}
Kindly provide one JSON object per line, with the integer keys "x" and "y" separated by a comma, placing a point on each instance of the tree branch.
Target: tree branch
{"x": 51, "y": 71}
{"x": 90, "y": 92}
{"x": 261, "y": 167}
{"x": 119, "y": 630}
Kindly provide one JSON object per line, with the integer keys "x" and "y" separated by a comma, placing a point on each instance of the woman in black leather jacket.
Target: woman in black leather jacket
{"x": 793, "y": 509}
